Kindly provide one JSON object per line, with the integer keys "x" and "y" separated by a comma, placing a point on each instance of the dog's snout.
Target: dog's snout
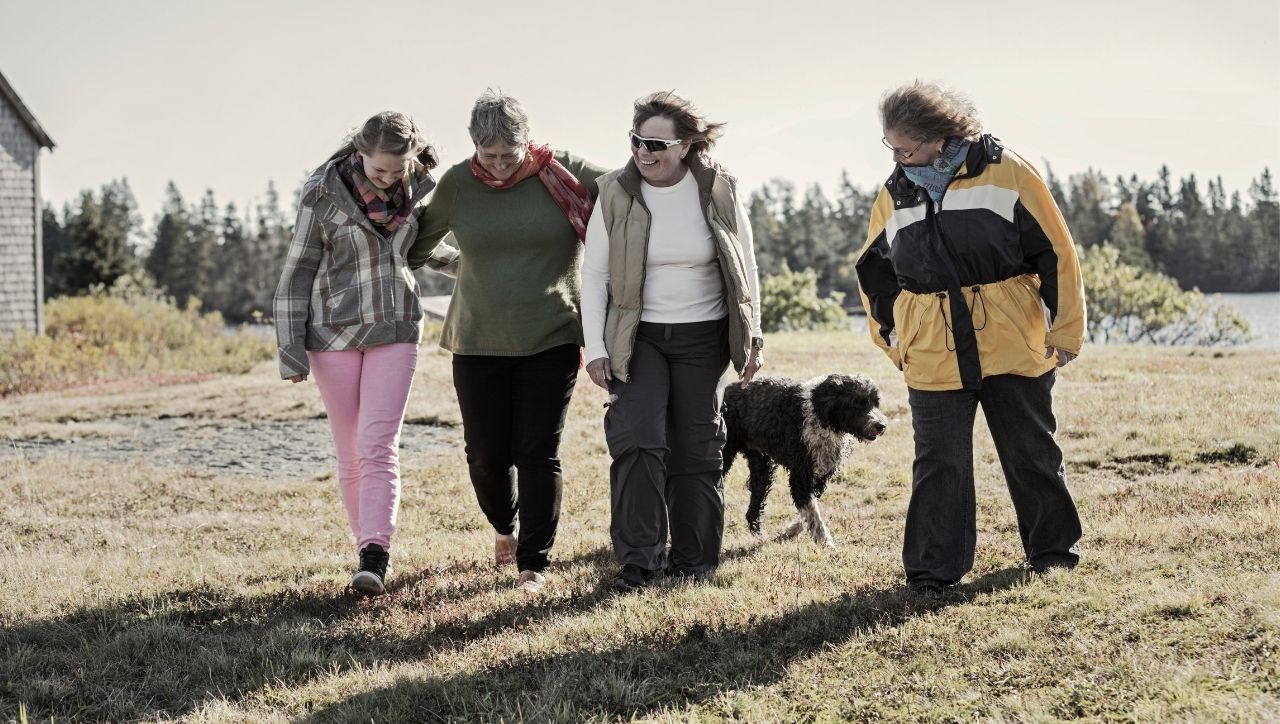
{"x": 877, "y": 427}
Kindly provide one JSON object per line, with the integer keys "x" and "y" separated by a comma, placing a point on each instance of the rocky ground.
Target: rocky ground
{"x": 267, "y": 449}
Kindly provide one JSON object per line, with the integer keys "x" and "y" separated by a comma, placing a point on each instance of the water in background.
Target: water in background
{"x": 1262, "y": 311}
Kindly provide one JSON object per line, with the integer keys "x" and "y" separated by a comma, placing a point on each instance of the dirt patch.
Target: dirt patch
{"x": 273, "y": 449}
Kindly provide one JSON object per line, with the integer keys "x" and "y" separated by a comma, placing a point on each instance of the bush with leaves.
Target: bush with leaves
{"x": 125, "y": 331}
{"x": 789, "y": 301}
{"x": 1130, "y": 304}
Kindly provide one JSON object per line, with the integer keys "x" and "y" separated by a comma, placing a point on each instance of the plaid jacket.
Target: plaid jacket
{"x": 344, "y": 286}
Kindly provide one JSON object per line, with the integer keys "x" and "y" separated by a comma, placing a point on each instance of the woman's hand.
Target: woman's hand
{"x": 599, "y": 371}
{"x": 1063, "y": 355}
{"x": 754, "y": 363}
{"x": 298, "y": 378}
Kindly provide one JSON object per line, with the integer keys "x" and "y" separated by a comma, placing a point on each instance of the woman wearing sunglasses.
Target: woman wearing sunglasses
{"x": 972, "y": 287}
{"x": 670, "y": 296}
{"x": 518, "y": 212}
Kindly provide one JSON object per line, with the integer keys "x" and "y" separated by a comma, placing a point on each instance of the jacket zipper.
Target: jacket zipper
{"x": 644, "y": 266}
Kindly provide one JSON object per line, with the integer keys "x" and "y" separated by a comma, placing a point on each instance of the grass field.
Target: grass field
{"x": 139, "y": 589}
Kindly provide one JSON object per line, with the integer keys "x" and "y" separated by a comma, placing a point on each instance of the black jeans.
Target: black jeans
{"x": 666, "y": 435}
{"x": 941, "y": 530}
{"x": 513, "y": 411}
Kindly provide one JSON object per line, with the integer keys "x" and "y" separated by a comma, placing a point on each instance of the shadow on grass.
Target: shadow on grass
{"x": 673, "y": 668}
{"x": 164, "y": 654}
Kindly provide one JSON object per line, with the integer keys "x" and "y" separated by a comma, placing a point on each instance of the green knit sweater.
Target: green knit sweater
{"x": 518, "y": 284}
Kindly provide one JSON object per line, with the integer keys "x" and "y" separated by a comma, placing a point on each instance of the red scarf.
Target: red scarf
{"x": 569, "y": 194}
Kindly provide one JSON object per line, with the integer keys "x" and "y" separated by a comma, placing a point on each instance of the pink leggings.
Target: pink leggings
{"x": 365, "y": 392}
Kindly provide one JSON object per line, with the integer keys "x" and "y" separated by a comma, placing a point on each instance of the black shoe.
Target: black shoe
{"x": 369, "y": 579}
{"x": 1049, "y": 566}
{"x": 632, "y": 578}
{"x": 927, "y": 589}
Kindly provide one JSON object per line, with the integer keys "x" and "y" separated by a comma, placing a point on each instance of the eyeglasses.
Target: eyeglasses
{"x": 904, "y": 155}
{"x": 654, "y": 145}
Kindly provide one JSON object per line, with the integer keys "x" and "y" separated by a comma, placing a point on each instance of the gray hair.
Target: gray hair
{"x": 497, "y": 116}
{"x": 925, "y": 111}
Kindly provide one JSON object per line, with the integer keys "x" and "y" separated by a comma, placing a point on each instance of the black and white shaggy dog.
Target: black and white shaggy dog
{"x": 806, "y": 427}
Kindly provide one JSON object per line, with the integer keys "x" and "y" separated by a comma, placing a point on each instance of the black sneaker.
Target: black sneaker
{"x": 373, "y": 570}
{"x": 632, "y": 578}
{"x": 927, "y": 589}
{"x": 1042, "y": 569}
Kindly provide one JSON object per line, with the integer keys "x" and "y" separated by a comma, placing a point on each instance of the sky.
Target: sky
{"x": 228, "y": 95}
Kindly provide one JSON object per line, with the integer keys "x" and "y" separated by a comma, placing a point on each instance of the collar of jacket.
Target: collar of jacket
{"x": 325, "y": 181}
{"x": 704, "y": 175}
{"x": 986, "y": 150}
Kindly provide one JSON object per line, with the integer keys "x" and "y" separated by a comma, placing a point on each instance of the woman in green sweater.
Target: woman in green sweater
{"x": 518, "y": 212}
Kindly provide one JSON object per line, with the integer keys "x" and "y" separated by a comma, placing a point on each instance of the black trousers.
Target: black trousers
{"x": 941, "y": 529}
{"x": 666, "y": 435}
{"x": 513, "y": 412}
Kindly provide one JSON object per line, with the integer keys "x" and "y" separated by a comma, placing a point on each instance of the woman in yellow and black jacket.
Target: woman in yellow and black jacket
{"x": 972, "y": 287}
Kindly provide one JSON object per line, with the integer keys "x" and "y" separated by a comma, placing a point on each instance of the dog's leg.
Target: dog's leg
{"x": 797, "y": 480}
{"x": 791, "y": 531}
{"x": 732, "y": 447}
{"x": 803, "y": 493}
{"x": 817, "y": 527}
{"x": 762, "y": 472}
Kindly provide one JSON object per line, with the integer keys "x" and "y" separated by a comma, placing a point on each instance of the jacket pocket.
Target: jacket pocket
{"x": 1013, "y": 313}
{"x": 340, "y": 297}
{"x": 927, "y": 346}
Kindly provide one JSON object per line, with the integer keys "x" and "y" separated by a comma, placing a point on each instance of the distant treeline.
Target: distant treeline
{"x": 1214, "y": 243}
{"x": 230, "y": 258}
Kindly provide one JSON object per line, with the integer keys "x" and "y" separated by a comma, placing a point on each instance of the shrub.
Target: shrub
{"x": 125, "y": 331}
{"x": 1131, "y": 304}
{"x": 789, "y": 301}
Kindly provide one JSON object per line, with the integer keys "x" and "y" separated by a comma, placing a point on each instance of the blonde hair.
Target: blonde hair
{"x": 925, "y": 111}
{"x": 389, "y": 132}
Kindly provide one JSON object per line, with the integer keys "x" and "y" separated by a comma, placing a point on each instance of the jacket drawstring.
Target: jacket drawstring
{"x": 950, "y": 333}
{"x": 976, "y": 300}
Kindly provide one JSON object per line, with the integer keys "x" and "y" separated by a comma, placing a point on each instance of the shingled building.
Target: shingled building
{"x": 21, "y": 264}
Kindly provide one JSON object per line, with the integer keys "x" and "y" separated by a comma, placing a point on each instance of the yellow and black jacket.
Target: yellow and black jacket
{"x": 977, "y": 285}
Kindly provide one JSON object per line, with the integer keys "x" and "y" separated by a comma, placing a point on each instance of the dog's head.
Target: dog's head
{"x": 850, "y": 405}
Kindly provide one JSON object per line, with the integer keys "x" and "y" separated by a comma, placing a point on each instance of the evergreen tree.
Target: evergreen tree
{"x": 173, "y": 231}
{"x": 1127, "y": 237}
{"x": 1264, "y": 232}
{"x": 1159, "y": 220}
{"x": 100, "y": 228}
{"x": 232, "y": 290}
{"x": 56, "y": 243}
{"x": 1089, "y": 209}
{"x": 1185, "y": 261}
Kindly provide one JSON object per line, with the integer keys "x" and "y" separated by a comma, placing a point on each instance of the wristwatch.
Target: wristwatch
{"x": 757, "y": 342}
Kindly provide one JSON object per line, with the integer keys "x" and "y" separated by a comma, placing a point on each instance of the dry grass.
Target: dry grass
{"x": 134, "y": 589}
{"x": 105, "y": 336}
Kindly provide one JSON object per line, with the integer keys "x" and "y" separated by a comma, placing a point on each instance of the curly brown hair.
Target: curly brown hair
{"x": 691, "y": 126}
{"x": 925, "y": 111}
